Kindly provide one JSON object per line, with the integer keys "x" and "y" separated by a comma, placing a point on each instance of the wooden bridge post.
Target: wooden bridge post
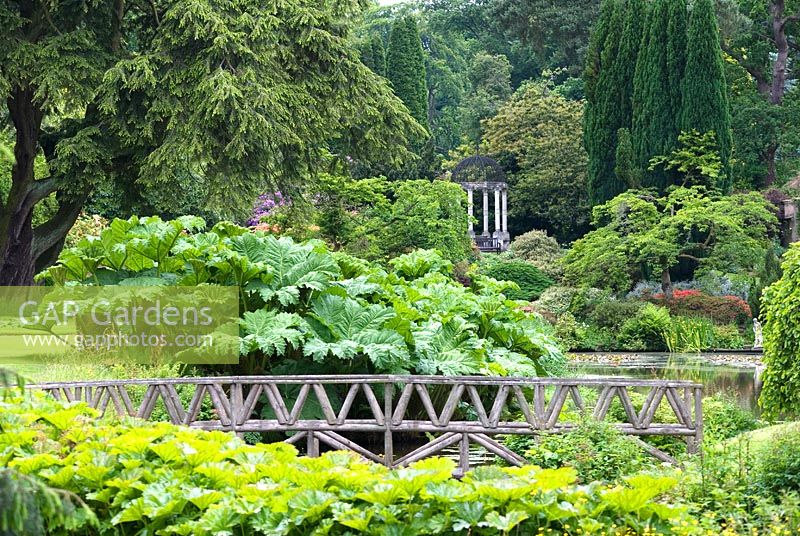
{"x": 388, "y": 443}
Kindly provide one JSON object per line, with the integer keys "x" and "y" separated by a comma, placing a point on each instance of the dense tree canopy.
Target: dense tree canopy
{"x": 638, "y": 233}
{"x": 235, "y": 96}
{"x": 537, "y": 136}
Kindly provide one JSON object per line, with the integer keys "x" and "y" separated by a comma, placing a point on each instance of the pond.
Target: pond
{"x": 736, "y": 374}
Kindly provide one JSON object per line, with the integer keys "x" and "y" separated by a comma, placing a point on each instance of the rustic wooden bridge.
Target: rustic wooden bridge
{"x": 338, "y": 410}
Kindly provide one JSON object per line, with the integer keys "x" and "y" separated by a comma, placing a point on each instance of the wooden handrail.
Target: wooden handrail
{"x": 471, "y": 409}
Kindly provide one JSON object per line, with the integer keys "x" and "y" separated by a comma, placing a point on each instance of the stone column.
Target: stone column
{"x": 485, "y": 212}
{"x": 496, "y": 211}
{"x": 470, "y": 211}
{"x": 505, "y": 211}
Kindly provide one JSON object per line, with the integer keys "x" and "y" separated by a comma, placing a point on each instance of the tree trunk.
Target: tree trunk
{"x": 16, "y": 231}
{"x": 666, "y": 284}
{"x": 24, "y": 250}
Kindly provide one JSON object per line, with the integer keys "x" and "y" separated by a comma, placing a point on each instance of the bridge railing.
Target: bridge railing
{"x": 331, "y": 410}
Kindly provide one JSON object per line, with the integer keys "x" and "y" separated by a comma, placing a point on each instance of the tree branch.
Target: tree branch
{"x": 761, "y": 80}
{"x": 51, "y": 233}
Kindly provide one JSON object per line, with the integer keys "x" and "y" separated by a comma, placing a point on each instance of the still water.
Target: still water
{"x": 738, "y": 378}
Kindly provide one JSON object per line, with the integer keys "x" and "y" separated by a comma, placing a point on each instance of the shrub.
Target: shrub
{"x": 307, "y": 309}
{"x": 778, "y": 465}
{"x": 720, "y": 309}
{"x": 648, "y": 327}
{"x": 724, "y": 418}
{"x": 613, "y": 314}
{"x": 781, "y": 390}
{"x": 532, "y": 281}
{"x": 728, "y": 337}
{"x": 540, "y": 250}
{"x": 597, "y": 451}
{"x": 165, "y": 479}
{"x": 556, "y": 300}
{"x": 85, "y": 226}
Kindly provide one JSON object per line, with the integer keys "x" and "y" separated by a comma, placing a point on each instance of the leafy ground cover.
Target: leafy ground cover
{"x": 133, "y": 478}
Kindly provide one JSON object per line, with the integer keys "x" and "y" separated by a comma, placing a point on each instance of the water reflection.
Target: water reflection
{"x": 740, "y": 381}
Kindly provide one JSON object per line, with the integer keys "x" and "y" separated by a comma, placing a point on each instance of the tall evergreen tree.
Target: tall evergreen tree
{"x": 378, "y": 55}
{"x": 656, "y": 89}
{"x": 624, "y": 169}
{"x": 405, "y": 68}
{"x": 705, "y": 97}
{"x": 631, "y": 40}
{"x": 609, "y": 106}
{"x": 373, "y": 54}
{"x": 597, "y": 137}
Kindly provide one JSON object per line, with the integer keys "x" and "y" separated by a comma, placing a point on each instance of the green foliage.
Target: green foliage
{"x": 705, "y": 93}
{"x": 627, "y": 174}
{"x": 28, "y": 506}
{"x": 490, "y": 81}
{"x": 405, "y": 68}
{"x": 723, "y": 491}
{"x": 377, "y": 219}
{"x": 781, "y": 390}
{"x": 212, "y": 97}
{"x": 637, "y": 230}
{"x": 697, "y": 160}
{"x": 704, "y": 90}
{"x": 530, "y": 280}
{"x": 646, "y": 328}
{"x": 724, "y": 418}
{"x": 728, "y": 337}
{"x": 536, "y": 136}
{"x": 540, "y": 250}
{"x": 306, "y": 307}
{"x": 609, "y": 103}
{"x": 373, "y": 54}
{"x": 160, "y": 477}
{"x": 778, "y": 466}
{"x": 595, "y": 449}
{"x": 684, "y": 334}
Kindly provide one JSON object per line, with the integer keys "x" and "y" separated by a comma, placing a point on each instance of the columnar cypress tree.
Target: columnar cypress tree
{"x": 705, "y": 98}
{"x": 604, "y": 39}
{"x": 373, "y": 54}
{"x": 609, "y": 82}
{"x": 406, "y": 68}
{"x": 378, "y": 55}
{"x": 625, "y": 171}
{"x": 656, "y": 89}
{"x": 676, "y": 60}
{"x": 631, "y": 40}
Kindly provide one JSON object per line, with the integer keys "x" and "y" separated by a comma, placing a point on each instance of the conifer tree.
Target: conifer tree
{"x": 631, "y": 40}
{"x": 405, "y": 68}
{"x": 378, "y": 55}
{"x": 656, "y": 90}
{"x": 624, "y": 169}
{"x": 609, "y": 106}
{"x": 373, "y": 54}
{"x": 600, "y": 119}
{"x": 705, "y": 98}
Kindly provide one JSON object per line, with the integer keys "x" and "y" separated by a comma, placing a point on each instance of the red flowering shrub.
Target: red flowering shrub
{"x": 720, "y": 309}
